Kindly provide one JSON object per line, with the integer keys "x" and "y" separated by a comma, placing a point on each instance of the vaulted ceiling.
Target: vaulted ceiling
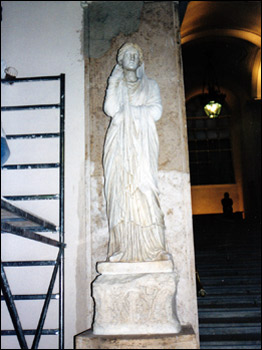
{"x": 231, "y": 32}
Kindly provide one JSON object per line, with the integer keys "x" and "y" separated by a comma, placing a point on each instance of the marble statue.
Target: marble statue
{"x": 130, "y": 161}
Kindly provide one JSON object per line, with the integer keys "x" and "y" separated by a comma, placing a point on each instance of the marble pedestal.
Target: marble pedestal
{"x": 135, "y": 298}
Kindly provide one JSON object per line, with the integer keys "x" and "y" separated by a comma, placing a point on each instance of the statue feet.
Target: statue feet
{"x": 116, "y": 257}
{"x": 164, "y": 255}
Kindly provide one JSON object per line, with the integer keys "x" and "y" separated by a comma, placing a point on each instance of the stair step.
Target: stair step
{"x": 229, "y": 271}
{"x": 224, "y": 263}
{"x": 233, "y": 278}
{"x": 231, "y": 343}
{"x": 241, "y": 345}
{"x": 225, "y": 333}
{"x": 227, "y": 290}
{"x": 225, "y": 313}
{"x": 230, "y": 298}
{"x": 223, "y": 266}
{"x": 220, "y": 249}
{"x": 228, "y": 325}
{"x": 228, "y": 254}
{"x": 208, "y": 322}
{"x": 243, "y": 302}
{"x": 228, "y": 337}
{"x": 226, "y": 318}
{"x": 234, "y": 282}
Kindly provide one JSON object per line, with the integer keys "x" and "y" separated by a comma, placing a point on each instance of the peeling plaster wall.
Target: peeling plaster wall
{"x": 104, "y": 20}
{"x": 158, "y": 36}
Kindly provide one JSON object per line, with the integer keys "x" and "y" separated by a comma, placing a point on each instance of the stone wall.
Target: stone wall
{"x": 44, "y": 39}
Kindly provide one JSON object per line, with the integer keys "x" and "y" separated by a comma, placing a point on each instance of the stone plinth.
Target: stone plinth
{"x": 186, "y": 339}
{"x": 135, "y": 298}
{"x": 106, "y": 268}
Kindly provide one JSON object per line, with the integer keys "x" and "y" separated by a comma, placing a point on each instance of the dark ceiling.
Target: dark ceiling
{"x": 229, "y": 31}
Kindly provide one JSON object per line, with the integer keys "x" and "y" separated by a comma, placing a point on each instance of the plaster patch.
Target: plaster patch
{"x": 104, "y": 20}
{"x": 99, "y": 223}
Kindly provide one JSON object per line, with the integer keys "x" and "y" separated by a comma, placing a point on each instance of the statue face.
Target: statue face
{"x": 131, "y": 59}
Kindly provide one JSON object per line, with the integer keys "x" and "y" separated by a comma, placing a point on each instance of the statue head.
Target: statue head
{"x": 127, "y": 51}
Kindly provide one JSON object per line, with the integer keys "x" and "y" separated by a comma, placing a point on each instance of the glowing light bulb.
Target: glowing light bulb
{"x": 212, "y": 109}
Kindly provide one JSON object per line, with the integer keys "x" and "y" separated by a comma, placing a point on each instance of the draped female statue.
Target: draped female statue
{"x": 130, "y": 161}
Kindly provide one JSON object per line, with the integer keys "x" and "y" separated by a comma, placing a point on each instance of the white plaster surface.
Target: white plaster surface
{"x": 45, "y": 38}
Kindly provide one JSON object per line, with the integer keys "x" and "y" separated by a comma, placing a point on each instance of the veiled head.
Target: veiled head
{"x": 126, "y": 48}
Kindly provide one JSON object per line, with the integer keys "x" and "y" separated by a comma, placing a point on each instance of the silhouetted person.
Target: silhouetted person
{"x": 227, "y": 204}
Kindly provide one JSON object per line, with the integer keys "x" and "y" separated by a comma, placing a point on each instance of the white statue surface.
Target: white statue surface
{"x": 130, "y": 161}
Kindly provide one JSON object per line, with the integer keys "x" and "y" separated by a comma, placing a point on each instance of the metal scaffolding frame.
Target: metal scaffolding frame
{"x": 19, "y": 222}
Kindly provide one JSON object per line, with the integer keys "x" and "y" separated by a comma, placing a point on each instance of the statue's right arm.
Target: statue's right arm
{"x": 113, "y": 99}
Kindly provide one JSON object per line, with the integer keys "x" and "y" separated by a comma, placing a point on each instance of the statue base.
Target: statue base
{"x": 185, "y": 339}
{"x": 135, "y": 298}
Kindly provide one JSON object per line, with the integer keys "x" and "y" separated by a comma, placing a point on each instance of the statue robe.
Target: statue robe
{"x": 130, "y": 160}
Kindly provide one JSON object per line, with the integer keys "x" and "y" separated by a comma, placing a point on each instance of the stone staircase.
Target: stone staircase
{"x": 229, "y": 265}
